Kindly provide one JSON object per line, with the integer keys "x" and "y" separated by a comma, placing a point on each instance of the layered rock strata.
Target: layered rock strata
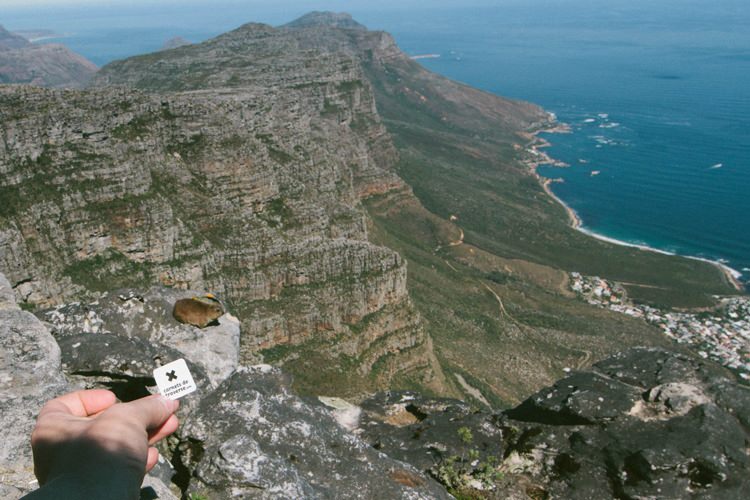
{"x": 238, "y": 167}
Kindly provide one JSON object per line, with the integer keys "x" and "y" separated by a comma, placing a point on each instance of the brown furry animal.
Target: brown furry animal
{"x": 198, "y": 311}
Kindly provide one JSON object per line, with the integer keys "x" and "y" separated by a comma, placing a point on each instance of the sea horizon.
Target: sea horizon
{"x": 660, "y": 138}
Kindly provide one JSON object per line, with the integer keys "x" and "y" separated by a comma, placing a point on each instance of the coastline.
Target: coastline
{"x": 539, "y": 158}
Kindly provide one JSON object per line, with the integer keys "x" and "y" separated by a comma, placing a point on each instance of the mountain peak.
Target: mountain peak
{"x": 329, "y": 19}
{"x": 10, "y": 40}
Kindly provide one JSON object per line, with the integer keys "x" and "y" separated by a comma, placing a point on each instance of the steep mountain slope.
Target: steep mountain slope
{"x": 47, "y": 65}
{"x": 10, "y": 40}
{"x": 488, "y": 260}
{"x": 247, "y": 182}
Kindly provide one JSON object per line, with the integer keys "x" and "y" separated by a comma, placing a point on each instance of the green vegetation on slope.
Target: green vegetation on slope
{"x": 505, "y": 339}
{"x": 489, "y": 251}
{"x": 457, "y": 167}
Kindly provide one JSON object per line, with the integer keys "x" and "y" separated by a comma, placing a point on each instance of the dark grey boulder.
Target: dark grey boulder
{"x": 580, "y": 399}
{"x": 425, "y": 432}
{"x": 121, "y": 364}
{"x": 645, "y": 423}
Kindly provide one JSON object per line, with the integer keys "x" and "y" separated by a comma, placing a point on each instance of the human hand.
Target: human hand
{"x": 87, "y": 439}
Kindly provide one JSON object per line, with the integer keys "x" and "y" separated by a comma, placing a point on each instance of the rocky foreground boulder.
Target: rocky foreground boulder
{"x": 646, "y": 423}
{"x": 29, "y": 375}
{"x": 244, "y": 432}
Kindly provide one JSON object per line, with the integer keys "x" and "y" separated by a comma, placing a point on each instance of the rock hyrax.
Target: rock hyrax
{"x": 199, "y": 311}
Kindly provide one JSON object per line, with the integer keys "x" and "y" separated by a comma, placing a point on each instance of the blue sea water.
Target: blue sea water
{"x": 657, "y": 93}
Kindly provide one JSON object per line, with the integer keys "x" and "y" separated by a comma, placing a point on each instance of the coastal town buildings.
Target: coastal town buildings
{"x": 722, "y": 334}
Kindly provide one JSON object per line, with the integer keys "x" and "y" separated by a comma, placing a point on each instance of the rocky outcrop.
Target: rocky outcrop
{"x": 33, "y": 370}
{"x": 30, "y": 374}
{"x": 256, "y": 439}
{"x": 646, "y": 423}
{"x": 243, "y": 434}
{"x": 45, "y": 65}
{"x": 134, "y": 322}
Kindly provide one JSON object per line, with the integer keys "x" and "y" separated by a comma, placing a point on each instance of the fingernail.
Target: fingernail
{"x": 170, "y": 404}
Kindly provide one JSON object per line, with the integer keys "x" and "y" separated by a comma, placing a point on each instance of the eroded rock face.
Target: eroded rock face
{"x": 257, "y": 439}
{"x": 646, "y": 423}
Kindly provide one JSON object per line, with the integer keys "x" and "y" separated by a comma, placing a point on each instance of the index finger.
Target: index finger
{"x": 81, "y": 403}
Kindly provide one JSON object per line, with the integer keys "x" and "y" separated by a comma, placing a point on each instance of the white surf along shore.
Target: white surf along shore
{"x": 538, "y": 157}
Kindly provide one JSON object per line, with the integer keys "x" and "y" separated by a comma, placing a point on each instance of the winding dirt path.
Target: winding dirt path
{"x": 586, "y": 358}
{"x": 473, "y": 391}
{"x": 459, "y": 241}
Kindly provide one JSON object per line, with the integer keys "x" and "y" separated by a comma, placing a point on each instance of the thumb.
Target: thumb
{"x": 151, "y": 411}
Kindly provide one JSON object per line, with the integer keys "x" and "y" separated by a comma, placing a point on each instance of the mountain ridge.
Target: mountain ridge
{"x": 262, "y": 165}
{"x": 46, "y": 65}
{"x": 10, "y": 40}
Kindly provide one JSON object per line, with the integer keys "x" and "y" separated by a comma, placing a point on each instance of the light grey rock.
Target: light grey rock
{"x": 156, "y": 484}
{"x": 7, "y": 297}
{"x": 30, "y": 374}
{"x": 148, "y": 316}
{"x": 677, "y": 398}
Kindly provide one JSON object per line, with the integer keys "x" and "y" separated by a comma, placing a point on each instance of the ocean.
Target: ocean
{"x": 657, "y": 94}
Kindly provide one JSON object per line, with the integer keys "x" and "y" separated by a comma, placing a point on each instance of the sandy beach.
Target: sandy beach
{"x": 542, "y": 158}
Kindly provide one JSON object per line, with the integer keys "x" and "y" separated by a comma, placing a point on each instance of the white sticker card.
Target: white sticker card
{"x": 174, "y": 379}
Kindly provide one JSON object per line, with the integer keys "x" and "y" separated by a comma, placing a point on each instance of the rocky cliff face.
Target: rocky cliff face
{"x": 47, "y": 65}
{"x": 236, "y": 166}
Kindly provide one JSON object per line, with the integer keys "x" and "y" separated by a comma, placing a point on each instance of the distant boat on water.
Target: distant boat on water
{"x": 714, "y": 167}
